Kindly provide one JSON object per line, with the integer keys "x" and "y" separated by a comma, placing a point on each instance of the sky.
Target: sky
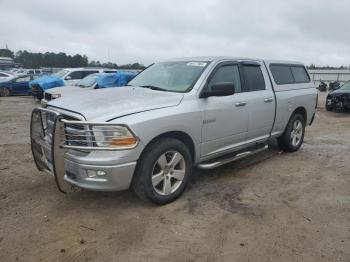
{"x": 146, "y": 31}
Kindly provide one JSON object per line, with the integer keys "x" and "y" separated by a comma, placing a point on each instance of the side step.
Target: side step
{"x": 233, "y": 157}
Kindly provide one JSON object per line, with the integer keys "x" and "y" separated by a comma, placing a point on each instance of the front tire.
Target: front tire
{"x": 293, "y": 136}
{"x": 163, "y": 171}
{"x": 4, "y": 91}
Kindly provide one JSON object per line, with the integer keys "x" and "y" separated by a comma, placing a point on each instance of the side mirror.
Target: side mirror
{"x": 219, "y": 89}
{"x": 96, "y": 87}
{"x": 68, "y": 78}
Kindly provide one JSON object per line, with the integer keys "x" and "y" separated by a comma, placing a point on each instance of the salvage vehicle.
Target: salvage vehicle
{"x": 339, "y": 99}
{"x": 334, "y": 86}
{"x": 19, "y": 85}
{"x": 91, "y": 82}
{"x": 174, "y": 115}
{"x": 67, "y": 76}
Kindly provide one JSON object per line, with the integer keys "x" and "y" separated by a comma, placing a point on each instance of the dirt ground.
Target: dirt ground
{"x": 270, "y": 207}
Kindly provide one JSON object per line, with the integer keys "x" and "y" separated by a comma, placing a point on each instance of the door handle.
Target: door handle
{"x": 268, "y": 100}
{"x": 238, "y": 104}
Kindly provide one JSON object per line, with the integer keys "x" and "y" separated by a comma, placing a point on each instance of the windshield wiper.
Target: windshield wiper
{"x": 154, "y": 88}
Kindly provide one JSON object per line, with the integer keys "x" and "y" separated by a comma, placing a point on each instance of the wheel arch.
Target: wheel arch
{"x": 302, "y": 111}
{"x": 180, "y": 135}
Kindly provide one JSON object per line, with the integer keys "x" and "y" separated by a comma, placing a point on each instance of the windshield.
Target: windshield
{"x": 170, "y": 76}
{"x": 88, "y": 81}
{"x": 346, "y": 86}
{"x": 61, "y": 73}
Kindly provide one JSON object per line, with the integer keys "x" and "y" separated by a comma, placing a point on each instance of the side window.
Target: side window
{"x": 226, "y": 74}
{"x": 300, "y": 74}
{"x": 76, "y": 75}
{"x": 282, "y": 74}
{"x": 253, "y": 77}
{"x": 86, "y": 73}
{"x": 23, "y": 79}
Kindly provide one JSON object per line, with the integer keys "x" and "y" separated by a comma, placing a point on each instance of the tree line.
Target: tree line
{"x": 50, "y": 59}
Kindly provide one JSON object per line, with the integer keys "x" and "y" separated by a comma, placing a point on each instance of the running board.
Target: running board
{"x": 224, "y": 160}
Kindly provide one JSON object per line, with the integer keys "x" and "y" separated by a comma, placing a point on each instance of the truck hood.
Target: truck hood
{"x": 65, "y": 90}
{"x": 107, "y": 104}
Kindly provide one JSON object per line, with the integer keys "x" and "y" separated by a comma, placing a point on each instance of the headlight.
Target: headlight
{"x": 54, "y": 96}
{"x": 114, "y": 136}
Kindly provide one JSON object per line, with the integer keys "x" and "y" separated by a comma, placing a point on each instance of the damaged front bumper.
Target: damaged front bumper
{"x": 338, "y": 101}
{"x": 72, "y": 166}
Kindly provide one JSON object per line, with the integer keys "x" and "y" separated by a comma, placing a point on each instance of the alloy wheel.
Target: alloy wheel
{"x": 168, "y": 173}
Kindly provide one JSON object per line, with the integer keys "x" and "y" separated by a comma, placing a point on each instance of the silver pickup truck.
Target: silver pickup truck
{"x": 174, "y": 115}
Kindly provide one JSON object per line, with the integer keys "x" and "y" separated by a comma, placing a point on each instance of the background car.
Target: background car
{"x": 33, "y": 71}
{"x": 17, "y": 86}
{"x": 4, "y": 76}
{"x": 94, "y": 81}
{"x": 64, "y": 77}
{"x": 339, "y": 99}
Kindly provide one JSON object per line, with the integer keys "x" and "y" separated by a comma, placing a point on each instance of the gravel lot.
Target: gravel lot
{"x": 270, "y": 207}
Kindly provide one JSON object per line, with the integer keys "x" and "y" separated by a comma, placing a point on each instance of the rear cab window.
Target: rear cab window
{"x": 285, "y": 74}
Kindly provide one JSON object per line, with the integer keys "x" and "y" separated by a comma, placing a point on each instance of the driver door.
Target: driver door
{"x": 225, "y": 118}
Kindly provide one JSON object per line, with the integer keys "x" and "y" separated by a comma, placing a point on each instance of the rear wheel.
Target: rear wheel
{"x": 163, "y": 171}
{"x": 4, "y": 91}
{"x": 293, "y": 136}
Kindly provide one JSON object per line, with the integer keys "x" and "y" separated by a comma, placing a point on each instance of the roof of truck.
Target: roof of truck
{"x": 218, "y": 58}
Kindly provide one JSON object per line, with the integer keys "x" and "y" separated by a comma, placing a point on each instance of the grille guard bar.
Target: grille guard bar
{"x": 42, "y": 150}
{"x": 49, "y": 153}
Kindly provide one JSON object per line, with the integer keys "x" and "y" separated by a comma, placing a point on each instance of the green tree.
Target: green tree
{"x": 6, "y": 53}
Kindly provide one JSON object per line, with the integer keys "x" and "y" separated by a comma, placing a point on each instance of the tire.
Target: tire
{"x": 293, "y": 136}
{"x": 156, "y": 179}
{"x": 4, "y": 91}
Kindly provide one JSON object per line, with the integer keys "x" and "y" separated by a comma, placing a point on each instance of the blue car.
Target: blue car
{"x": 17, "y": 86}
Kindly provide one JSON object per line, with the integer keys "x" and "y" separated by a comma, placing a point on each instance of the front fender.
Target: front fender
{"x": 151, "y": 124}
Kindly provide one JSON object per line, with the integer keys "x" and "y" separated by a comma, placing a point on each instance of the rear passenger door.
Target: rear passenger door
{"x": 260, "y": 100}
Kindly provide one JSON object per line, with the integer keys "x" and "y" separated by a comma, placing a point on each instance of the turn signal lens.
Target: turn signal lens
{"x": 114, "y": 136}
{"x": 126, "y": 141}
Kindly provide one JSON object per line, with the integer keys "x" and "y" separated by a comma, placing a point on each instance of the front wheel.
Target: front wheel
{"x": 293, "y": 136}
{"x": 163, "y": 171}
{"x": 4, "y": 91}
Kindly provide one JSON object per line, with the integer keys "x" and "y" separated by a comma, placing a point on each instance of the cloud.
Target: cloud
{"x": 312, "y": 31}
